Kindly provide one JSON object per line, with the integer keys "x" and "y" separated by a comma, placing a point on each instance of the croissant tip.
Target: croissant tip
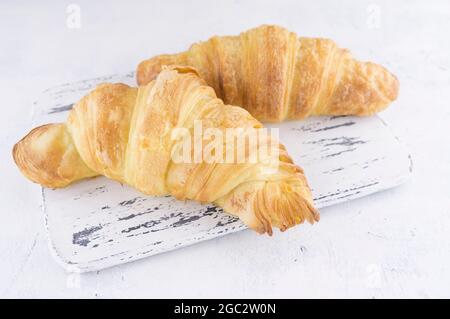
{"x": 315, "y": 213}
{"x": 316, "y": 217}
{"x": 14, "y": 152}
{"x": 391, "y": 83}
{"x": 395, "y": 87}
{"x": 17, "y": 148}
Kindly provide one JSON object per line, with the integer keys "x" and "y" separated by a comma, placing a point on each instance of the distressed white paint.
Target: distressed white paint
{"x": 391, "y": 244}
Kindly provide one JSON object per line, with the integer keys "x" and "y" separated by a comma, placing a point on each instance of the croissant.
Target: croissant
{"x": 126, "y": 134}
{"x": 276, "y": 75}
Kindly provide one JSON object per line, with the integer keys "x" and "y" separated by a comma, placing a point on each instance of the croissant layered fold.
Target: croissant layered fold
{"x": 276, "y": 75}
{"x": 126, "y": 134}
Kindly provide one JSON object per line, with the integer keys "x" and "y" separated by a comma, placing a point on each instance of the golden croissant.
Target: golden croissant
{"x": 276, "y": 75}
{"x": 126, "y": 134}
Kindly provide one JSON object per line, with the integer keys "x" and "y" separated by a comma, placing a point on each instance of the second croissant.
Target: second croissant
{"x": 277, "y": 75}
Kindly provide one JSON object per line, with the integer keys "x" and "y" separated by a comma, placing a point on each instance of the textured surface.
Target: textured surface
{"x": 99, "y": 223}
{"x": 390, "y": 244}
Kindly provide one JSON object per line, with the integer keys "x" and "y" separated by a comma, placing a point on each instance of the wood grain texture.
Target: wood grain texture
{"x": 99, "y": 223}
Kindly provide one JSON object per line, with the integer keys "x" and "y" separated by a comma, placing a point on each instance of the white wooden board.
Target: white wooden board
{"x": 99, "y": 223}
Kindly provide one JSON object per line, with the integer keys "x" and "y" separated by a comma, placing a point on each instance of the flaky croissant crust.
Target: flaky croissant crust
{"x": 124, "y": 133}
{"x": 276, "y": 75}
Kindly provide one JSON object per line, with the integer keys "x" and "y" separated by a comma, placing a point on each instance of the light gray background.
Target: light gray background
{"x": 392, "y": 244}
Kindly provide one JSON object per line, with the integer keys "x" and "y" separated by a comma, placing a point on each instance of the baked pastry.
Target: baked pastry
{"x": 276, "y": 75}
{"x": 127, "y": 134}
